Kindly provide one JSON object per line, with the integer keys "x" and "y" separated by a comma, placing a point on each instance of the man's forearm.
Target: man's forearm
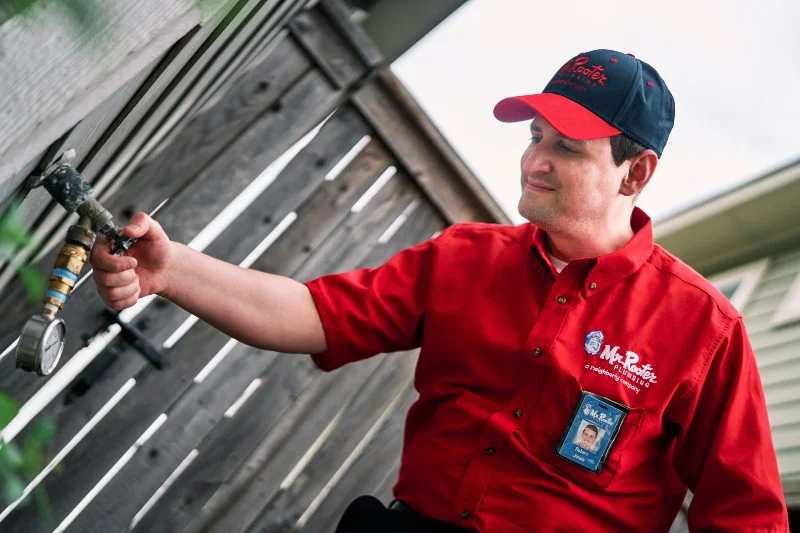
{"x": 263, "y": 310}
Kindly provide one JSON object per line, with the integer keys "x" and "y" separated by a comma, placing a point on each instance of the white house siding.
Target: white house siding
{"x": 777, "y": 352}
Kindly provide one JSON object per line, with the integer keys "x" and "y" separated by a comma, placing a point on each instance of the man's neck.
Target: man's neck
{"x": 579, "y": 245}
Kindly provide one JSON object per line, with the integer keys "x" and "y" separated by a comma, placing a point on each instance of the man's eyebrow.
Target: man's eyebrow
{"x": 537, "y": 129}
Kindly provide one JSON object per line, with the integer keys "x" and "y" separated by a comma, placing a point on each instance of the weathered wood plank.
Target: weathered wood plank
{"x": 280, "y": 449}
{"x": 385, "y": 487}
{"x": 339, "y": 15}
{"x": 201, "y": 72}
{"x": 333, "y": 54}
{"x": 368, "y": 472}
{"x": 327, "y": 209}
{"x": 419, "y": 222}
{"x": 424, "y": 153}
{"x": 256, "y": 100}
{"x": 265, "y": 506}
{"x": 89, "y": 67}
{"x": 267, "y": 27}
{"x": 10, "y": 189}
{"x": 304, "y": 174}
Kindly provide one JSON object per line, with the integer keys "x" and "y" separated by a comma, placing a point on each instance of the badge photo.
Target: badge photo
{"x": 591, "y": 431}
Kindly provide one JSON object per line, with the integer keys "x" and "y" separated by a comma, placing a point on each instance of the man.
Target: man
{"x": 520, "y": 329}
{"x": 588, "y": 436}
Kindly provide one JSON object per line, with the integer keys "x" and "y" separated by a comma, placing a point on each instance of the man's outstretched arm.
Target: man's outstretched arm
{"x": 264, "y": 310}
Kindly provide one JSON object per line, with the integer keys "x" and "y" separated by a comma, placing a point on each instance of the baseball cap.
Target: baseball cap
{"x": 599, "y": 94}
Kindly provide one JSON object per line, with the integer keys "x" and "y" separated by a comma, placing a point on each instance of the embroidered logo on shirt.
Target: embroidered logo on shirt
{"x": 593, "y": 342}
{"x": 626, "y": 369}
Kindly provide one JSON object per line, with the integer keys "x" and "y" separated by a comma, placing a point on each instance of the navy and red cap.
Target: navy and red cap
{"x": 600, "y": 94}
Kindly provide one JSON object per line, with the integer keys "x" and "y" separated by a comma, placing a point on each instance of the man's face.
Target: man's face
{"x": 567, "y": 183}
{"x": 588, "y": 436}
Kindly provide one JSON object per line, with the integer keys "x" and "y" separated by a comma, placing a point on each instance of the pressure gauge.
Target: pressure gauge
{"x": 40, "y": 344}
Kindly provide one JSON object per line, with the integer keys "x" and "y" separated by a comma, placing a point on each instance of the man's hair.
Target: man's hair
{"x": 593, "y": 428}
{"x": 623, "y": 148}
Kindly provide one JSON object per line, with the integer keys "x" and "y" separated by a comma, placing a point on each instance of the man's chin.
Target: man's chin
{"x": 542, "y": 217}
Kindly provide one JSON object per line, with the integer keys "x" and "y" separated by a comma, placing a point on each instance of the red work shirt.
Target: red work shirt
{"x": 507, "y": 347}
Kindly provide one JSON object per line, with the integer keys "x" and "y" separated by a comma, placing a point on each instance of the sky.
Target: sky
{"x": 731, "y": 66}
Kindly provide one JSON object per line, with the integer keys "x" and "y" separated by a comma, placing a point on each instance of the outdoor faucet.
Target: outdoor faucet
{"x": 42, "y": 339}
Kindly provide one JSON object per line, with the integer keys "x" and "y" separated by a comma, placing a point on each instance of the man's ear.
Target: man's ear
{"x": 639, "y": 173}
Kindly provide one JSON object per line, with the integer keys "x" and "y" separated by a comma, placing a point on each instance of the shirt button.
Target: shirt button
{"x": 537, "y": 352}
{"x": 465, "y": 515}
{"x": 517, "y": 413}
{"x": 562, "y": 300}
{"x": 592, "y": 286}
{"x": 490, "y": 450}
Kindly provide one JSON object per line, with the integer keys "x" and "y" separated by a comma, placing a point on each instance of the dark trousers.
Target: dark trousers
{"x": 366, "y": 514}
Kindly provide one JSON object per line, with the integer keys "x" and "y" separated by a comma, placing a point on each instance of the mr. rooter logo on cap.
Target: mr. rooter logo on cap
{"x": 577, "y": 70}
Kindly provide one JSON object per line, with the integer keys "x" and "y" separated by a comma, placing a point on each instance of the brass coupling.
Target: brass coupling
{"x": 67, "y": 268}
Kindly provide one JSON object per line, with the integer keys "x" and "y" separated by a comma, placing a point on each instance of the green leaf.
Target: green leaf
{"x": 12, "y": 230}
{"x": 42, "y": 432}
{"x": 33, "y": 459}
{"x": 85, "y": 14}
{"x": 43, "y": 504}
{"x": 17, "y": 7}
{"x": 35, "y": 284}
{"x": 13, "y": 487}
{"x": 10, "y": 457}
{"x": 8, "y": 409}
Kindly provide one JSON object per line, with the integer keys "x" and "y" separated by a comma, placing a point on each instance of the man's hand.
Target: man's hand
{"x": 122, "y": 280}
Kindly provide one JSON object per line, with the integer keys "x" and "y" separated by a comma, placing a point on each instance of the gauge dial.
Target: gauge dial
{"x": 41, "y": 344}
{"x": 52, "y": 346}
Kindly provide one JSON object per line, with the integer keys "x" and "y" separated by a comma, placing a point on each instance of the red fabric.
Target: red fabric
{"x": 567, "y": 117}
{"x": 480, "y": 299}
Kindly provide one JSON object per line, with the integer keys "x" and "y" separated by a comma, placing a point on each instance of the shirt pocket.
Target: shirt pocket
{"x": 542, "y": 433}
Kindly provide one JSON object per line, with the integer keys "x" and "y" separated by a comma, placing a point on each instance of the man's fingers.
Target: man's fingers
{"x": 115, "y": 279}
{"x": 118, "y": 294}
{"x": 124, "y": 303}
{"x": 139, "y": 225}
{"x": 102, "y": 259}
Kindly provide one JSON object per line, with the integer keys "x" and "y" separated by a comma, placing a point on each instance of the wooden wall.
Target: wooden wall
{"x": 239, "y": 126}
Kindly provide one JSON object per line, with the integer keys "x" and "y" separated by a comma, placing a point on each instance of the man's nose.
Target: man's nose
{"x": 535, "y": 161}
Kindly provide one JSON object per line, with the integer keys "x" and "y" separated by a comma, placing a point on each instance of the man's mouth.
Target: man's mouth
{"x": 538, "y": 186}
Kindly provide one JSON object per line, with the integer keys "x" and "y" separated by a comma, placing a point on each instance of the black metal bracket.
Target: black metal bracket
{"x": 103, "y": 362}
{"x": 137, "y": 340}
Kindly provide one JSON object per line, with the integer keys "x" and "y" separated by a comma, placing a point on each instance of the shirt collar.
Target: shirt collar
{"x": 618, "y": 264}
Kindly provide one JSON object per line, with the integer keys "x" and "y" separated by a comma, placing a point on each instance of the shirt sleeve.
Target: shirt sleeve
{"x": 369, "y": 311}
{"x": 725, "y": 454}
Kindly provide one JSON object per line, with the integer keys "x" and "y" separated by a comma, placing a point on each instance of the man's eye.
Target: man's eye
{"x": 564, "y": 148}
{"x": 536, "y": 140}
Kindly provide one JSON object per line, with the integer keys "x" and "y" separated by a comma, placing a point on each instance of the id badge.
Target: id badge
{"x": 591, "y": 432}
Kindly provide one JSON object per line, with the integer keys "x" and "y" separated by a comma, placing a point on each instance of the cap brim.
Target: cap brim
{"x": 567, "y": 117}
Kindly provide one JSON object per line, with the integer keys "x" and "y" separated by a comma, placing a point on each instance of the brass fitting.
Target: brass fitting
{"x": 68, "y": 266}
